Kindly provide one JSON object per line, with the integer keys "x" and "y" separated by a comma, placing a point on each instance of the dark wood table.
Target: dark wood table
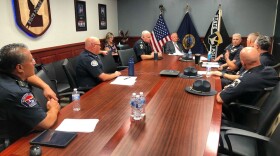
{"x": 176, "y": 123}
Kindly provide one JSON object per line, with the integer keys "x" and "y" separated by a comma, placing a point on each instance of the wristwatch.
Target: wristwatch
{"x": 223, "y": 73}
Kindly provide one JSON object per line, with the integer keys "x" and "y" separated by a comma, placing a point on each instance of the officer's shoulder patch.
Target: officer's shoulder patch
{"x": 28, "y": 100}
{"x": 235, "y": 83}
{"x": 141, "y": 46}
{"x": 94, "y": 63}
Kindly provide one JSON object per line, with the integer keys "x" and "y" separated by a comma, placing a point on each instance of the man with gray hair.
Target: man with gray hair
{"x": 19, "y": 111}
{"x": 262, "y": 44}
{"x": 142, "y": 47}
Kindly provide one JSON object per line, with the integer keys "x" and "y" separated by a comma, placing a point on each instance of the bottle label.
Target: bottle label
{"x": 75, "y": 97}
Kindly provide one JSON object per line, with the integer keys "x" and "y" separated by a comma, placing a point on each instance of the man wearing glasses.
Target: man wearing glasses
{"x": 89, "y": 67}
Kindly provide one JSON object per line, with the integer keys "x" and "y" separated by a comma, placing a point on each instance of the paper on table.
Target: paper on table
{"x": 211, "y": 64}
{"x": 177, "y": 54}
{"x": 202, "y": 58}
{"x": 77, "y": 125}
{"x": 124, "y": 80}
{"x": 201, "y": 72}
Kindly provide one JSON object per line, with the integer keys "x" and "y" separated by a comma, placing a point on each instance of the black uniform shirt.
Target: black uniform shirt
{"x": 19, "y": 111}
{"x": 267, "y": 59}
{"x": 142, "y": 48}
{"x": 88, "y": 68}
{"x": 250, "y": 85}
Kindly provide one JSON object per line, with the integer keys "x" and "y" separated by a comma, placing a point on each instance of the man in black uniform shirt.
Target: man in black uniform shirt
{"x": 230, "y": 59}
{"x": 142, "y": 47}
{"x": 89, "y": 67}
{"x": 19, "y": 111}
{"x": 252, "y": 82}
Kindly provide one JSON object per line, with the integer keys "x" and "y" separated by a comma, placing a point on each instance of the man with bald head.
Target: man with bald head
{"x": 142, "y": 47}
{"x": 173, "y": 46}
{"x": 89, "y": 67}
{"x": 249, "y": 86}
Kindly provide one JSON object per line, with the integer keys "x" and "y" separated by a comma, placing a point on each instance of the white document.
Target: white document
{"x": 177, "y": 54}
{"x": 201, "y": 72}
{"x": 77, "y": 125}
{"x": 124, "y": 80}
{"x": 211, "y": 64}
{"x": 202, "y": 58}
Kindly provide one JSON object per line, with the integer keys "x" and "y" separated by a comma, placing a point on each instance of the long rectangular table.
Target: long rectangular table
{"x": 176, "y": 122}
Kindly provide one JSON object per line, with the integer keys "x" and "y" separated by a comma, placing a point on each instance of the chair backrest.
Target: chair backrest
{"x": 123, "y": 46}
{"x": 73, "y": 61}
{"x": 70, "y": 73}
{"x": 125, "y": 55}
{"x": 269, "y": 110}
{"x": 38, "y": 93}
{"x": 109, "y": 65}
{"x": 277, "y": 68}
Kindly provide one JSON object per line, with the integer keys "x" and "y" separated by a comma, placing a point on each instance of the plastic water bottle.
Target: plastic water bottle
{"x": 208, "y": 71}
{"x": 131, "y": 67}
{"x": 143, "y": 101}
{"x": 132, "y": 105}
{"x": 137, "y": 109}
{"x": 76, "y": 100}
{"x": 209, "y": 56}
{"x": 190, "y": 54}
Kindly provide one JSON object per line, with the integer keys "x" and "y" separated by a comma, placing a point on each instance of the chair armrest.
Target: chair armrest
{"x": 240, "y": 132}
{"x": 84, "y": 89}
{"x": 268, "y": 88}
{"x": 241, "y": 105}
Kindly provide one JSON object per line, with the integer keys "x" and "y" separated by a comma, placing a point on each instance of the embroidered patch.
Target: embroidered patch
{"x": 94, "y": 63}
{"x": 233, "y": 84}
{"x": 28, "y": 100}
{"x": 141, "y": 46}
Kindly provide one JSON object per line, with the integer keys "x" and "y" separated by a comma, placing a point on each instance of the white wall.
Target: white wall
{"x": 62, "y": 29}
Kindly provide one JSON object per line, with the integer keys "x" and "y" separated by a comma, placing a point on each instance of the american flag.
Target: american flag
{"x": 160, "y": 34}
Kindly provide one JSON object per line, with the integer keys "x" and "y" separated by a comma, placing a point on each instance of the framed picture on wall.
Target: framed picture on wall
{"x": 102, "y": 16}
{"x": 80, "y": 15}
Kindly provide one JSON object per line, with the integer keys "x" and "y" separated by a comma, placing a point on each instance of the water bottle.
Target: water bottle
{"x": 208, "y": 71}
{"x": 155, "y": 56}
{"x": 131, "y": 67}
{"x": 209, "y": 56}
{"x": 143, "y": 101}
{"x": 132, "y": 105}
{"x": 137, "y": 109}
{"x": 76, "y": 100}
{"x": 190, "y": 54}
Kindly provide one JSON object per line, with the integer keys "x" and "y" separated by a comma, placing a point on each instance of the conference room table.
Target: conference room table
{"x": 176, "y": 122}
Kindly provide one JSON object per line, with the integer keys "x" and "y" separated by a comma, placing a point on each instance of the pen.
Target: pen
{"x": 126, "y": 78}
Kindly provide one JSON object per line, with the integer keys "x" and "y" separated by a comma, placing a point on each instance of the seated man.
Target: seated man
{"x": 89, "y": 67}
{"x": 262, "y": 44}
{"x": 19, "y": 111}
{"x": 142, "y": 47}
{"x": 173, "y": 46}
{"x": 231, "y": 58}
{"x": 251, "y": 83}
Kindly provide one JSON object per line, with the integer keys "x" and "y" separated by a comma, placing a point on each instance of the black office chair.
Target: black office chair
{"x": 71, "y": 76}
{"x": 277, "y": 68}
{"x": 242, "y": 142}
{"x": 73, "y": 61}
{"x": 109, "y": 65}
{"x": 261, "y": 121}
{"x": 123, "y": 46}
{"x": 4, "y": 139}
{"x": 125, "y": 55}
{"x": 55, "y": 72}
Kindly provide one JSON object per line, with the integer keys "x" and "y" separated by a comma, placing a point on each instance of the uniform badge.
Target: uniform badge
{"x": 141, "y": 46}
{"x": 28, "y": 100}
{"x": 94, "y": 63}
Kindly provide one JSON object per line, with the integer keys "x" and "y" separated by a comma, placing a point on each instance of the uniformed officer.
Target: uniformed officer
{"x": 19, "y": 111}
{"x": 252, "y": 82}
{"x": 231, "y": 57}
{"x": 142, "y": 47}
{"x": 89, "y": 68}
{"x": 262, "y": 44}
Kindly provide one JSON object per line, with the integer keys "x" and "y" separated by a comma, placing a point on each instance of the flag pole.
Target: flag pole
{"x": 161, "y": 8}
{"x": 220, "y": 15}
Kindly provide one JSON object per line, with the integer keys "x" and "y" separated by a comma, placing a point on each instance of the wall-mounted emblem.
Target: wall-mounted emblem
{"x": 33, "y": 16}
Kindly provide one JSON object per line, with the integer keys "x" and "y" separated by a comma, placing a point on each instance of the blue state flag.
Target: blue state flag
{"x": 189, "y": 37}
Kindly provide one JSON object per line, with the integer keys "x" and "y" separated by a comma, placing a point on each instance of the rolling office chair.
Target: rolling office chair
{"x": 109, "y": 65}
{"x": 123, "y": 46}
{"x": 261, "y": 121}
{"x": 125, "y": 55}
{"x": 55, "y": 73}
{"x": 71, "y": 76}
{"x": 277, "y": 68}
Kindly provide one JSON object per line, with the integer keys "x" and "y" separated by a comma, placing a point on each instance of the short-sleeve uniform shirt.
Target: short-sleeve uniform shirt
{"x": 88, "y": 69}
{"x": 267, "y": 59}
{"x": 250, "y": 85}
{"x": 142, "y": 48}
{"x": 19, "y": 110}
